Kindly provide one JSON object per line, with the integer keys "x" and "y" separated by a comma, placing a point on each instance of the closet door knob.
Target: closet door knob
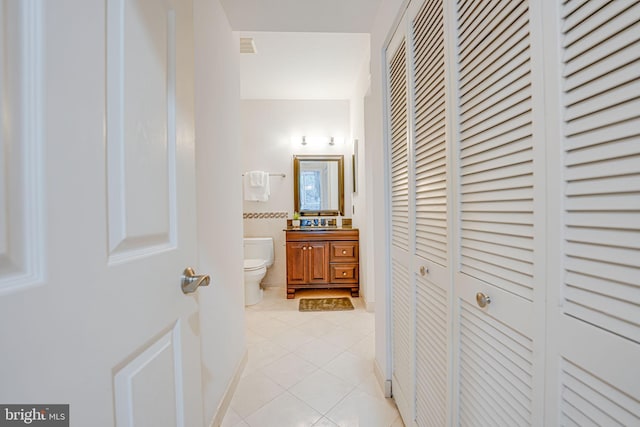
{"x": 483, "y": 300}
{"x": 424, "y": 271}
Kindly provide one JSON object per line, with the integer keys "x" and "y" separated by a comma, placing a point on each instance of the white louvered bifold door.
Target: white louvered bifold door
{"x": 429, "y": 194}
{"x": 600, "y": 295}
{"x": 495, "y": 220}
{"x": 402, "y": 294}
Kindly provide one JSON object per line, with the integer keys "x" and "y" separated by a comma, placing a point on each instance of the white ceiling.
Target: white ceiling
{"x": 325, "y": 16}
{"x": 306, "y": 49}
{"x": 302, "y": 65}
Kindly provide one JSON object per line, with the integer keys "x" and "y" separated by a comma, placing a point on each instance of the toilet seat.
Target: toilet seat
{"x": 253, "y": 264}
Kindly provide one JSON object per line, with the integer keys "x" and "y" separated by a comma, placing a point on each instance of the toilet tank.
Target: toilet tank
{"x": 259, "y": 248}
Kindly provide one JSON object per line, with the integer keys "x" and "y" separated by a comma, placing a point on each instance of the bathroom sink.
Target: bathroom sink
{"x": 315, "y": 228}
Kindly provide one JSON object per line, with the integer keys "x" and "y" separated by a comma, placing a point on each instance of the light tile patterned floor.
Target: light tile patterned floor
{"x": 309, "y": 369}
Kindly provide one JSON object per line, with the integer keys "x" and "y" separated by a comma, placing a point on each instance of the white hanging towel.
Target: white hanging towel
{"x": 256, "y": 186}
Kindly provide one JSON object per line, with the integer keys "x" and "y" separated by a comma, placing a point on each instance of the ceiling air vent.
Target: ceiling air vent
{"x": 247, "y": 45}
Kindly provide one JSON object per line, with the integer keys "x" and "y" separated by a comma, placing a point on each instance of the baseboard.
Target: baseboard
{"x": 370, "y": 306}
{"x": 228, "y": 394}
{"x": 385, "y": 384}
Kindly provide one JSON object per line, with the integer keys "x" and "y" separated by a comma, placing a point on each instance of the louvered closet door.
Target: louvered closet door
{"x": 402, "y": 294}
{"x": 600, "y": 308}
{"x": 496, "y": 222}
{"x": 429, "y": 195}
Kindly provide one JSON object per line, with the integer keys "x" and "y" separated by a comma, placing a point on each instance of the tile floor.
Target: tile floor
{"x": 309, "y": 369}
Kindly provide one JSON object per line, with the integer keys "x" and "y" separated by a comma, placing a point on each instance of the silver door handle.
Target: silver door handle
{"x": 190, "y": 280}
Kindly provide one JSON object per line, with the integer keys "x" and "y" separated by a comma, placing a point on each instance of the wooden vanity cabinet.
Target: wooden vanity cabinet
{"x": 322, "y": 259}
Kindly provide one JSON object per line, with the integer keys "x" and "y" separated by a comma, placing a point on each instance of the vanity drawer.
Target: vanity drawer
{"x": 343, "y": 252}
{"x": 344, "y": 273}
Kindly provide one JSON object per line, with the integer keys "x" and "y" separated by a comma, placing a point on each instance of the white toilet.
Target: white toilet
{"x": 258, "y": 256}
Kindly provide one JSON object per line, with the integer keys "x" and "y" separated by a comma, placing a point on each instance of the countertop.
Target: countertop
{"x": 318, "y": 228}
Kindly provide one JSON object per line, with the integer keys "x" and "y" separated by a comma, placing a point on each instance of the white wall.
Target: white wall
{"x": 268, "y": 127}
{"x": 359, "y": 213}
{"x": 376, "y": 181}
{"x": 219, "y": 210}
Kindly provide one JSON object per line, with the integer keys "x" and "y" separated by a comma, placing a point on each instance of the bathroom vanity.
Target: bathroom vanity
{"x": 321, "y": 258}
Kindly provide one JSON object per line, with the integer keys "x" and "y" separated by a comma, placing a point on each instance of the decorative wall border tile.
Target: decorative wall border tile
{"x": 264, "y": 215}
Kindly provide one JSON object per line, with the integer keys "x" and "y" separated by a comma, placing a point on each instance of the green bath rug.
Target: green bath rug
{"x": 325, "y": 304}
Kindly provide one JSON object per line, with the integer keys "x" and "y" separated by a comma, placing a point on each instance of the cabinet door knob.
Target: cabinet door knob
{"x": 304, "y": 248}
{"x": 344, "y": 252}
{"x": 344, "y": 273}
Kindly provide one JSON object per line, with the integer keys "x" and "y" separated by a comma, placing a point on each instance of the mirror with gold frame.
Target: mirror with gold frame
{"x": 318, "y": 185}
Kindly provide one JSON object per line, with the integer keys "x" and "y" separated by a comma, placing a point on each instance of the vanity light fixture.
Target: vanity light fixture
{"x": 317, "y": 141}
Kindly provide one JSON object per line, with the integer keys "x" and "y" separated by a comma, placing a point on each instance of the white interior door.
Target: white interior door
{"x": 594, "y": 377}
{"x": 430, "y": 195}
{"x": 420, "y": 275}
{"x": 97, "y": 210}
{"x": 402, "y": 288}
{"x": 499, "y": 220}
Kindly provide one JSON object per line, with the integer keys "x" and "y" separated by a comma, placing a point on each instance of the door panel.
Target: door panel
{"x": 318, "y": 262}
{"x": 598, "y": 384}
{"x": 602, "y": 175}
{"x": 21, "y": 197}
{"x": 496, "y": 162}
{"x": 495, "y": 371}
{"x": 402, "y": 348}
{"x": 296, "y": 262}
{"x": 432, "y": 360}
{"x": 149, "y": 382}
{"x": 108, "y": 330}
{"x": 141, "y": 92}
